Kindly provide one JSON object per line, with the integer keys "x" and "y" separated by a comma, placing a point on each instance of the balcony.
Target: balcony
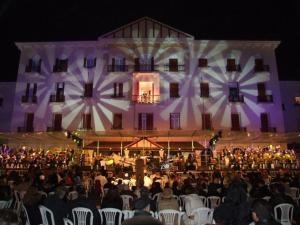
{"x": 60, "y": 69}
{"x": 171, "y": 68}
{"x": 26, "y": 99}
{"x": 32, "y": 69}
{"x": 49, "y": 129}
{"x": 147, "y": 99}
{"x": 234, "y": 68}
{"x": 236, "y": 98}
{"x": 268, "y": 129}
{"x": 117, "y": 68}
{"x": 263, "y": 68}
{"x": 25, "y": 129}
{"x": 265, "y": 98}
{"x": 145, "y": 67}
{"x": 57, "y": 98}
{"x": 243, "y": 129}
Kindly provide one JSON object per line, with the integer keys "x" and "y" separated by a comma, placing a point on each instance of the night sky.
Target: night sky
{"x": 32, "y": 20}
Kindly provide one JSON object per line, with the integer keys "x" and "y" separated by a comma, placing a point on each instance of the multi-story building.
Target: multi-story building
{"x": 147, "y": 79}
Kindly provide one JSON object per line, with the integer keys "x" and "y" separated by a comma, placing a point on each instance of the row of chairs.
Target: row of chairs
{"x": 113, "y": 216}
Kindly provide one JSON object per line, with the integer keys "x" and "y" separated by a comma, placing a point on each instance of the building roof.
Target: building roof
{"x": 146, "y": 27}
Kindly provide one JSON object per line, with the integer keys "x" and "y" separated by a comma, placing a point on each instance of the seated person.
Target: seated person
{"x": 167, "y": 201}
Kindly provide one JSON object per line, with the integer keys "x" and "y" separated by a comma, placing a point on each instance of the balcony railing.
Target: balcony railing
{"x": 146, "y": 98}
{"x": 268, "y": 129}
{"x": 60, "y": 68}
{"x": 145, "y": 67}
{"x": 57, "y": 98}
{"x": 54, "y": 129}
{"x": 170, "y": 68}
{"x": 263, "y": 68}
{"x": 32, "y": 69}
{"x": 235, "y": 68}
{"x": 25, "y": 129}
{"x": 26, "y": 99}
{"x": 117, "y": 68}
{"x": 265, "y": 98}
{"x": 236, "y": 98}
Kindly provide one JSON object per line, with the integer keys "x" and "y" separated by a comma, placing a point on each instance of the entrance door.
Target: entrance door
{"x": 57, "y": 122}
{"x": 29, "y": 122}
{"x": 264, "y": 122}
{"x": 235, "y": 122}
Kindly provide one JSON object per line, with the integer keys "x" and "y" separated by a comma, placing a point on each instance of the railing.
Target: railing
{"x": 117, "y": 68}
{"x": 268, "y": 129}
{"x": 263, "y": 68}
{"x": 54, "y": 129}
{"x": 146, "y": 98}
{"x": 57, "y": 98}
{"x": 235, "y": 68}
{"x": 145, "y": 67}
{"x": 32, "y": 69}
{"x": 170, "y": 68}
{"x": 26, "y": 99}
{"x": 59, "y": 69}
{"x": 25, "y": 129}
{"x": 236, "y": 98}
{"x": 265, "y": 98}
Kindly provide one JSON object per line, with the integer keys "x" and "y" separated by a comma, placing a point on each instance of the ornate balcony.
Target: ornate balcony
{"x": 236, "y": 98}
{"x": 57, "y": 98}
{"x": 117, "y": 68}
{"x": 147, "y": 99}
{"x": 171, "y": 68}
{"x": 145, "y": 67}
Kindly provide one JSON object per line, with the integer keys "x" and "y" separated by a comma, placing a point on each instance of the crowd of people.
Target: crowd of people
{"x": 61, "y": 190}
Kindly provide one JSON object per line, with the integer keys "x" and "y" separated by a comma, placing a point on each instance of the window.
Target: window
{"x": 231, "y": 66}
{"x": 174, "y": 90}
{"x": 145, "y": 121}
{"x": 262, "y": 96}
{"x": 34, "y": 65}
{"x": 88, "y": 90}
{"x": 202, "y": 62}
{"x": 174, "y": 120}
{"x": 235, "y": 122}
{"x": 204, "y": 90}
{"x": 118, "y": 90}
{"x": 89, "y": 62}
{"x": 1, "y": 101}
{"x": 264, "y": 121}
{"x": 173, "y": 65}
{"x": 61, "y": 65}
{"x": 259, "y": 66}
{"x": 59, "y": 95}
{"x": 297, "y": 100}
{"x": 206, "y": 121}
{"x": 146, "y": 63}
{"x": 234, "y": 92}
{"x": 86, "y": 121}
{"x": 27, "y": 97}
{"x": 117, "y": 121}
{"x": 57, "y": 120}
{"x": 29, "y": 117}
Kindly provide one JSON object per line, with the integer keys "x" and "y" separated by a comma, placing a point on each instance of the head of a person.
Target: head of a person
{"x": 144, "y": 192}
{"x": 167, "y": 193}
{"x": 142, "y": 220}
{"x": 142, "y": 204}
{"x": 261, "y": 211}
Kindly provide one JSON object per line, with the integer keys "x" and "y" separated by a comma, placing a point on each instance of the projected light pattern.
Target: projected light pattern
{"x": 102, "y": 106}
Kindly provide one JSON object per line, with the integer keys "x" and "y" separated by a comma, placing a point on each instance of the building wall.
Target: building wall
{"x": 190, "y": 105}
{"x": 291, "y": 112}
{"x": 7, "y": 90}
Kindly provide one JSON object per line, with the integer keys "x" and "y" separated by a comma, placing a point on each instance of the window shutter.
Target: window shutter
{"x": 174, "y": 90}
{"x": 40, "y": 65}
{"x": 120, "y": 90}
{"x": 89, "y": 121}
{"x": 231, "y": 65}
{"x": 140, "y": 121}
{"x": 259, "y": 65}
{"x": 136, "y": 64}
{"x": 57, "y": 122}
{"x": 34, "y": 89}
{"x": 117, "y": 121}
{"x": 173, "y": 65}
{"x": 84, "y": 62}
{"x": 152, "y": 63}
{"x": 115, "y": 89}
{"x": 204, "y": 89}
{"x": 27, "y": 89}
{"x": 95, "y": 62}
{"x": 149, "y": 121}
{"x": 202, "y": 62}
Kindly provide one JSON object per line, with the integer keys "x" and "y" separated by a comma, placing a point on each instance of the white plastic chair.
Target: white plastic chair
{"x": 67, "y": 221}
{"x": 203, "y": 199}
{"x": 110, "y": 215}
{"x": 154, "y": 214}
{"x": 182, "y": 203}
{"x": 170, "y": 216}
{"x": 5, "y": 204}
{"x": 223, "y": 199}
{"x": 126, "y": 201}
{"x": 202, "y": 216}
{"x": 81, "y": 215}
{"x": 286, "y": 213}
{"x": 267, "y": 198}
{"x": 213, "y": 201}
{"x": 127, "y": 214}
{"x": 44, "y": 212}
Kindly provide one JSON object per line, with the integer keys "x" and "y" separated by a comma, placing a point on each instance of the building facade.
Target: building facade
{"x": 148, "y": 77}
{"x": 7, "y": 93}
